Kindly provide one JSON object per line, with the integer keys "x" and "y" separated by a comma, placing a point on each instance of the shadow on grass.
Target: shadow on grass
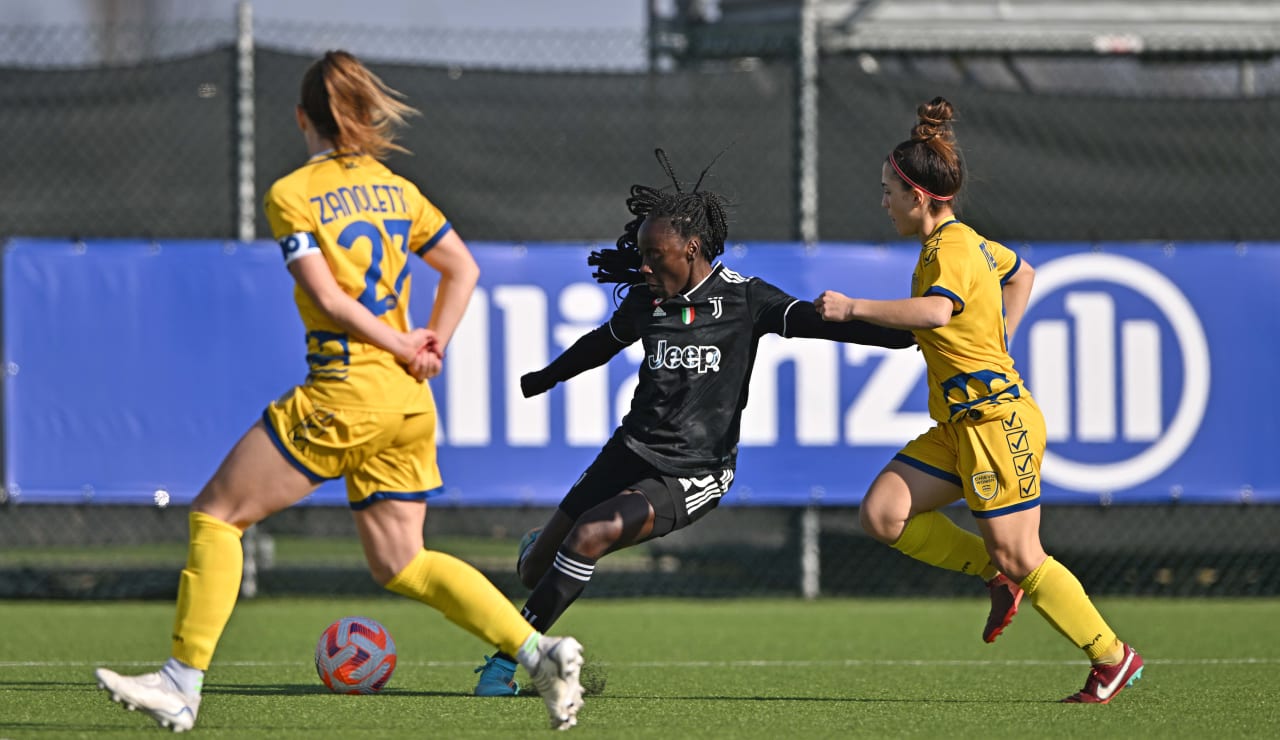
{"x": 848, "y": 699}
{"x": 317, "y": 690}
{"x": 95, "y": 730}
{"x": 222, "y": 689}
{"x": 46, "y": 685}
{"x": 284, "y": 689}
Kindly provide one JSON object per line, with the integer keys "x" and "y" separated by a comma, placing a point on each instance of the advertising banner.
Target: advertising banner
{"x": 130, "y": 368}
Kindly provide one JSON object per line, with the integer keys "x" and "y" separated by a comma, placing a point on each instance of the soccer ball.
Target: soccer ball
{"x": 355, "y": 655}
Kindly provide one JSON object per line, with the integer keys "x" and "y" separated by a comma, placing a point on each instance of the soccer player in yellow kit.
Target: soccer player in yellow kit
{"x": 968, "y": 295}
{"x": 346, "y": 226}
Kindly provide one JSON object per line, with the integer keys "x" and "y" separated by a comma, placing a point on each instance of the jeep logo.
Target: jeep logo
{"x": 693, "y": 357}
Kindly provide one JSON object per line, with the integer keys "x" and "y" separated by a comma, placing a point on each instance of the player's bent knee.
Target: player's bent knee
{"x": 1016, "y": 563}
{"x": 593, "y": 539}
{"x": 380, "y": 575}
{"x": 383, "y": 570}
{"x": 880, "y": 527}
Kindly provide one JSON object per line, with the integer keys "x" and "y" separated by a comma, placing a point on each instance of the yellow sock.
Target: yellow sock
{"x": 1057, "y": 594}
{"x": 465, "y": 597}
{"x": 207, "y": 590}
{"x": 932, "y": 538}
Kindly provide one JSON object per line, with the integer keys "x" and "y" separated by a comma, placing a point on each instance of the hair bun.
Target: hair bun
{"x": 935, "y": 120}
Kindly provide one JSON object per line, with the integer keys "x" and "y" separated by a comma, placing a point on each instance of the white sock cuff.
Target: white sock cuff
{"x": 528, "y": 655}
{"x": 186, "y": 679}
{"x": 573, "y": 568}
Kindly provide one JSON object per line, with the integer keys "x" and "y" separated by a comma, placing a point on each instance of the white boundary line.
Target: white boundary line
{"x": 851, "y": 663}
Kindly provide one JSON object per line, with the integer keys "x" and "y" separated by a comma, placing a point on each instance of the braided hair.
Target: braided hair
{"x": 695, "y": 213}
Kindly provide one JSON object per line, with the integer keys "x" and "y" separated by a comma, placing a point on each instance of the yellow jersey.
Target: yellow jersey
{"x": 365, "y": 220}
{"x": 969, "y": 366}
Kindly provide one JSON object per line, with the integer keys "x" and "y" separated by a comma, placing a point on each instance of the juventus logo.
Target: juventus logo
{"x": 717, "y": 306}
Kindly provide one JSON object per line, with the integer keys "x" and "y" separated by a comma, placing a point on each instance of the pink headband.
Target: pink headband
{"x": 912, "y": 183}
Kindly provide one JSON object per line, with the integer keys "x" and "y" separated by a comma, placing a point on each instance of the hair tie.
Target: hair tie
{"x": 913, "y": 184}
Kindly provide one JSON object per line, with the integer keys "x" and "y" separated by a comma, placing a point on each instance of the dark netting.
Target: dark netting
{"x": 1059, "y": 148}
{"x": 107, "y": 552}
{"x": 551, "y": 156}
{"x": 1053, "y": 167}
{"x": 119, "y": 132}
{"x": 147, "y": 149}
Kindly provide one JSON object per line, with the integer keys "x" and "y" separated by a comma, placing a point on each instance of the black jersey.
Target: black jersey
{"x": 699, "y": 350}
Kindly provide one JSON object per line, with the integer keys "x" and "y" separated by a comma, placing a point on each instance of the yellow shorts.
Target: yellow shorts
{"x": 382, "y": 454}
{"x": 995, "y": 458}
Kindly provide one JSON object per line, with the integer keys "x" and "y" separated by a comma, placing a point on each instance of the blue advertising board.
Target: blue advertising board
{"x": 130, "y": 368}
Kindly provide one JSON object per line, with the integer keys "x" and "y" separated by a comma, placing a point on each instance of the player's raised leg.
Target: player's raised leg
{"x": 536, "y": 554}
{"x": 1005, "y": 595}
{"x": 900, "y": 509}
{"x": 391, "y": 533}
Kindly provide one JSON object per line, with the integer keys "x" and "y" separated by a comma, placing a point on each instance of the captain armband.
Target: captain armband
{"x": 297, "y": 245}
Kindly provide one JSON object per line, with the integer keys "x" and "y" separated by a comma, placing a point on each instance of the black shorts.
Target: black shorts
{"x": 677, "y": 500}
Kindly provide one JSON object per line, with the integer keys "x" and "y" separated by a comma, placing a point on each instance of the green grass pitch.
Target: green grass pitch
{"x": 749, "y": 668}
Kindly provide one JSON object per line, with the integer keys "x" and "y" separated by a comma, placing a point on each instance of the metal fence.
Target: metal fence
{"x": 170, "y": 132}
{"x": 111, "y": 552}
{"x": 163, "y": 141}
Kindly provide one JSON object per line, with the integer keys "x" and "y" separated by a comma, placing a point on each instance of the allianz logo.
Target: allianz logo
{"x": 1100, "y": 378}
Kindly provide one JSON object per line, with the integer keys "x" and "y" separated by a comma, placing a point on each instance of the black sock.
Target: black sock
{"x": 560, "y": 586}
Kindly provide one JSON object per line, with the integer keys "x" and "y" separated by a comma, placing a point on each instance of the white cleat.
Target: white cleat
{"x": 153, "y": 694}
{"x": 557, "y": 679}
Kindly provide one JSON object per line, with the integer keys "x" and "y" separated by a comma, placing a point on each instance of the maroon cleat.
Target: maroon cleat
{"x": 1105, "y": 681}
{"x": 1005, "y": 597}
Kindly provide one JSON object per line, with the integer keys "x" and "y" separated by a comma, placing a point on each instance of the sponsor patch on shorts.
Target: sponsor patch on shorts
{"x": 986, "y": 485}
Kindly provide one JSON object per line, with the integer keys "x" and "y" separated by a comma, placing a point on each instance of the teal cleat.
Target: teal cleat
{"x": 526, "y": 542}
{"x": 497, "y": 678}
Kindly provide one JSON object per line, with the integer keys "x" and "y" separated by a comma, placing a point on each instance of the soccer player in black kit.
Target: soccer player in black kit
{"x": 673, "y": 457}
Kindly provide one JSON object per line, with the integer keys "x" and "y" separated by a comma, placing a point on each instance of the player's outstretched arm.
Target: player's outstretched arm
{"x": 593, "y": 349}
{"x": 802, "y": 320}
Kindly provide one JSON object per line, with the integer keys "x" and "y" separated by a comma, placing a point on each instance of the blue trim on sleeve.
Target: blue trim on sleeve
{"x": 295, "y": 462}
{"x": 938, "y": 290}
{"x": 1016, "y": 264}
{"x": 926, "y": 468}
{"x": 1033, "y": 503}
{"x": 448, "y": 226}
{"x": 396, "y": 496}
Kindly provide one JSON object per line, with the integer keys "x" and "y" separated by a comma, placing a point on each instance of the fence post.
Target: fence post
{"x": 807, "y": 126}
{"x": 249, "y": 577}
{"x": 810, "y": 553}
{"x": 245, "y": 199}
